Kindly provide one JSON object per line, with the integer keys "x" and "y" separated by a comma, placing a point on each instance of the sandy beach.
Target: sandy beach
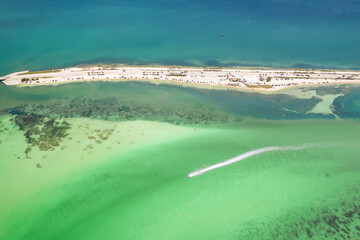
{"x": 236, "y": 78}
{"x": 99, "y": 155}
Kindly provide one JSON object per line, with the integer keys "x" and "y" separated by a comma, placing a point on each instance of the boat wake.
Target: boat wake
{"x": 244, "y": 156}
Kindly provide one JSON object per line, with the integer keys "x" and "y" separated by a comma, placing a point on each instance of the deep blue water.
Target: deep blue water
{"x": 38, "y": 34}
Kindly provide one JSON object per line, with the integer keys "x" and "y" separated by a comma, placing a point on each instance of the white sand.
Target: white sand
{"x": 324, "y": 107}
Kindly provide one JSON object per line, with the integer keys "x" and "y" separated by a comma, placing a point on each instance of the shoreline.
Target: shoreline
{"x": 241, "y": 67}
{"x": 243, "y": 79}
{"x": 190, "y": 85}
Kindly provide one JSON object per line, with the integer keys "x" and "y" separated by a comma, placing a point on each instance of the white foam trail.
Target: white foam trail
{"x": 244, "y": 156}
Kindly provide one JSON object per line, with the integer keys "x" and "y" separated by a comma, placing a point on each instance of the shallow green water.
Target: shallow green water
{"x": 118, "y": 178}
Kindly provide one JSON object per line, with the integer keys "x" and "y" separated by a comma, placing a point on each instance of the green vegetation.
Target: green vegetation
{"x": 206, "y": 68}
{"x": 268, "y": 79}
{"x": 177, "y": 74}
{"x": 38, "y": 72}
{"x": 112, "y": 108}
{"x": 28, "y": 79}
{"x": 44, "y": 132}
{"x": 260, "y": 86}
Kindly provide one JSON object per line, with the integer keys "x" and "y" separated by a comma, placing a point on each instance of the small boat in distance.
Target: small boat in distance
{"x": 222, "y": 34}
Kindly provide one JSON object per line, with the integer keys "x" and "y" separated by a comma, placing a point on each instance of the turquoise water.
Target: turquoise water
{"x": 110, "y": 160}
{"x": 107, "y": 160}
{"x": 133, "y": 100}
{"x": 40, "y": 34}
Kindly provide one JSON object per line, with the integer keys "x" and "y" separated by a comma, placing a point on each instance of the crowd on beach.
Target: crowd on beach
{"x": 240, "y": 78}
